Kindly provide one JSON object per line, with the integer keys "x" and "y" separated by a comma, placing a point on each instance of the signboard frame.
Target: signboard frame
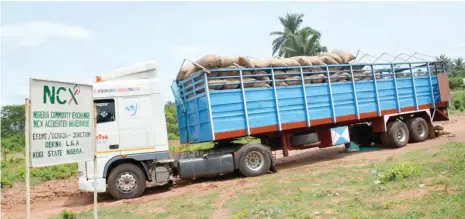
{"x": 28, "y": 131}
{"x": 89, "y": 156}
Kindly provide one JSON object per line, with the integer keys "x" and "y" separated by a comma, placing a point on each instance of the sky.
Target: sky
{"x": 76, "y": 41}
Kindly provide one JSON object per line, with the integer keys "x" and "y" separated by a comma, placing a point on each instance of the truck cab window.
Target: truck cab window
{"x": 105, "y": 110}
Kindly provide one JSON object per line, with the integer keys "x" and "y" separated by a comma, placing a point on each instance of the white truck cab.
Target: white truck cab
{"x": 131, "y": 125}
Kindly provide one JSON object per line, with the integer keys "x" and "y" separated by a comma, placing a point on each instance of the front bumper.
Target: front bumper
{"x": 87, "y": 185}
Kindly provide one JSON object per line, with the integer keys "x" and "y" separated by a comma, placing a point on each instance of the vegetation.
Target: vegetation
{"x": 428, "y": 183}
{"x": 456, "y": 69}
{"x": 293, "y": 41}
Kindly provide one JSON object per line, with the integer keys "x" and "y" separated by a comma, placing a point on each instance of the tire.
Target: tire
{"x": 361, "y": 134}
{"x": 129, "y": 174}
{"x": 396, "y": 135}
{"x": 418, "y": 129}
{"x": 254, "y": 161}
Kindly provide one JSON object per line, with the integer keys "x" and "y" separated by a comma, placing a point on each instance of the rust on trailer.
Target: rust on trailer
{"x": 316, "y": 122}
{"x": 285, "y": 143}
{"x": 443, "y": 84}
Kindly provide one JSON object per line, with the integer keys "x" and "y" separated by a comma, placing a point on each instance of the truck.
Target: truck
{"x": 395, "y": 104}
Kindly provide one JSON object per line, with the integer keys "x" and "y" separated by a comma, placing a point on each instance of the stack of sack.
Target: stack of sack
{"x": 262, "y": 79}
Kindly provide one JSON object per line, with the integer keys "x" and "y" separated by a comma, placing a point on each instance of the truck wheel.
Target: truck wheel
{"x": 254, "y": 161}
{"x": 418, "y": 129}
{"x": 396, "y": 135}
{"x": 126, "y": 181}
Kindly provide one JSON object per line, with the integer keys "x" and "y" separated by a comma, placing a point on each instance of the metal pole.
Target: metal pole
{"x": 95, "y": 162}
{"x": 27, "y": 157}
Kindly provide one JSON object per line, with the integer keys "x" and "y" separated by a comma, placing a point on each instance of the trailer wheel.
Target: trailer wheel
{"x": 418, "y": 129}
{"x": 126, "y": 181}
{"x": 254, "y": 161}
{"x": 396, "y": 135}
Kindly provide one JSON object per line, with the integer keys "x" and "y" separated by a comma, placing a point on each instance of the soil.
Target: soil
{"x": 49, "y": 198}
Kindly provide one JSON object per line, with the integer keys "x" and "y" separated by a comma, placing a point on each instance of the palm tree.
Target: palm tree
{"x": 458, "y": 63}
{"x": 291, "y": 23}
{"x": 444, "y": 59}
{"x": 305, "y": 42}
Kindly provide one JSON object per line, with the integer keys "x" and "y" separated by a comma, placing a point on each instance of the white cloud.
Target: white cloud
{"x": 33, "y": 33}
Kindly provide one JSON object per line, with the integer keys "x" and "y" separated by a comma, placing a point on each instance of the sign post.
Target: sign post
{"x": 61, "y": 125}
{"x": 27, "y": 111}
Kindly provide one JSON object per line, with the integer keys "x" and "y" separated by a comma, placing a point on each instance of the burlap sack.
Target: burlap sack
{"x": 233, "y": 73}
{"x": 228, "y": 61}
{"x": 315, "y": 60}
{"x": 231, "y": 86}
{"x": 319, "y": 78}
{"x": 345, "y": 55}
{"x": 209, "y": 61}
{"x": 341, "y": 76}
{"x": 190, "y": 72}
{"x": 259, "y": 63}
{"x": 328, "y": 60}
{"x": 216, "y": 81}
{"x": 333, "y": 56}
{"x": 276, "y": 62}
{"x": 246, "y": 62}
{"x": 255, "y": 84}
{"x": 303, "y": 61}
{"x": 280, "y": 83}
{"x": 278, "y": 74}
{"x": 293, "y": 80}
{"x": 291, "y": 62}
{"x": 186, "y": 68}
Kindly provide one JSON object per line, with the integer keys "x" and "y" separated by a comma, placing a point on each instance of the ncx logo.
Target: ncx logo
{"x": 53, "y": 93}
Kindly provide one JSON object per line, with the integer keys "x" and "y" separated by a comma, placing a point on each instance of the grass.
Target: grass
{"x": 13, "y": 171}
{"x": 427, "y": 183}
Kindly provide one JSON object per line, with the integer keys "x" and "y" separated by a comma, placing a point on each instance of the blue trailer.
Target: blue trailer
{"x": 395, "y": 103}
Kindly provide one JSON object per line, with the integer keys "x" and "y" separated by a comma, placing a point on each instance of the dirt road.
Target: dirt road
{"x": 53, "y": 196}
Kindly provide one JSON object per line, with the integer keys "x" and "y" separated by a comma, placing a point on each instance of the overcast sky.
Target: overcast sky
{"x": 77, "y": 41}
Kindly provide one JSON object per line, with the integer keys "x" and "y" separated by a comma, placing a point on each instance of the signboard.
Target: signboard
{"x": 61, "y": 123}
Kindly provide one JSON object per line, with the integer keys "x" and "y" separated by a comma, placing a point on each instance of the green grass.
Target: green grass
{"x": 13, "y": 171}
{"x": 427, "y": 183}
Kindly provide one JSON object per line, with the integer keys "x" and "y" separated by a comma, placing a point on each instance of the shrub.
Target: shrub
{"x": 172, "y": 136}
{"x": 67, "y": 214}
{"x": 458, "y": 103}
{"x": 6, "y": 183}
{"x": 455, "y": 83}
{"x": 400, "y": 171}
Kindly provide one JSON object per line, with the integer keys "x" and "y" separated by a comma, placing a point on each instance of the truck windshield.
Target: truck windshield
{"x": 105, "y": 110}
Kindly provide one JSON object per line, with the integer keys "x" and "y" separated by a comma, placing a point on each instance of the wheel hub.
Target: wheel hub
{"x": 400, "y": 135}
{"x": 420, "y": 130}
{"x": 126, "y": 182}
{"x": 254, "y": 160}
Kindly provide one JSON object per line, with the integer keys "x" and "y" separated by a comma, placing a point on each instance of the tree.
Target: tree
{"x": 293, "y": 40}
{"x": 458, "y": 63}
{"x": 12, "y": 117}
{"x": 444, "y": 59}
{"x": 305, "y": 42}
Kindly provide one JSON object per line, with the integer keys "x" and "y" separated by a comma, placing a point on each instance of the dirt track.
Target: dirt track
{"x": 52, "y": 197}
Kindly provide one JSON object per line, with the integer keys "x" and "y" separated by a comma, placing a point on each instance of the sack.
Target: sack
{"x": 256, "y": 84}
{"x": 334, "y": 56}
{"x": 209, "y": 61}
{"x": 244, "y": 61}
{"x": 315, "y": 60}
{"x": 182, "y": 73}
{"x": 293, "y": 80}
{"x": 234, "y": 73}
{"x": 341, "y": 76}
{"x": 291, "y": 62}
{"x": 190, "y": 72}
{"x": 215, "y": 81}
{"x": 278, "y": 74}
{"x": 228, "y": 61}
{"x": 277, "y": 62}
{"x": 259, "y": 63}
{"x": 319, "y": 78}
{"x": 280, "y": 83}
{"x": 345, "y": 55}
{"x": 231, "y": 86}
{"x": 328, "y": 60}
{"x": 303, "y": 61}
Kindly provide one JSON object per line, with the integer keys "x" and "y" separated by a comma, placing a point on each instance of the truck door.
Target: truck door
{"x": 107, "y": 136}
{"x": 135, "y": 122}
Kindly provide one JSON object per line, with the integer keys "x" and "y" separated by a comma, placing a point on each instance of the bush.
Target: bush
{"x": 455, "y": 83}
{"x": 172, "y": 136}
{"x": 458, "y": 103}
{"x": 6, "y": 183}
{"x": 67, "y": 214}
{"x": 399, "y": 171}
